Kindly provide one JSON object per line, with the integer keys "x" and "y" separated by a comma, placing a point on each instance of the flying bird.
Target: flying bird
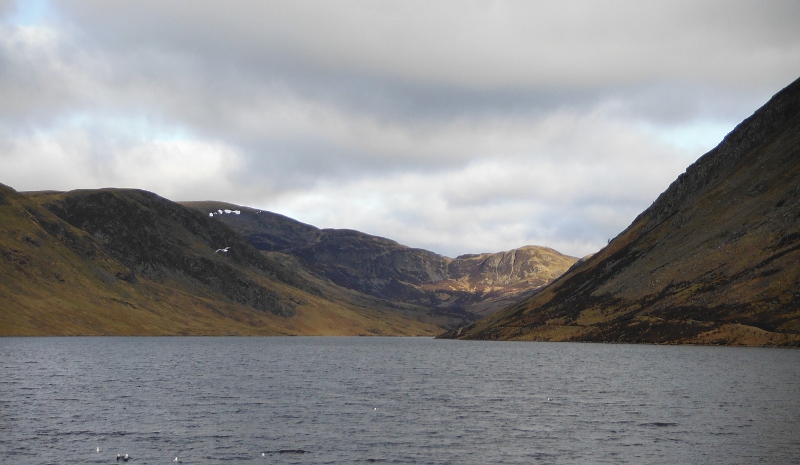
{"x": 225, "y": 250}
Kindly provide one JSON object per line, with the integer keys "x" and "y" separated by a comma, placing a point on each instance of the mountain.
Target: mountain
{"x": 714, "y": 260}
{"x": 470, "y": 284}
{"x": 128, "y": 262}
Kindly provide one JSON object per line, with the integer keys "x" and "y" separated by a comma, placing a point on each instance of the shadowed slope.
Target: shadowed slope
{"x": 470, "y": 284}
{"x": 715, "y": 259}
{"x": 128, "y": 262}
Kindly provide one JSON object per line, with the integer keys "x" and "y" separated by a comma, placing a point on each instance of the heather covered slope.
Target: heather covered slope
{"x": 128, "y": 262}
{"x": 715, "y": 259}
{"x": 470, "y": 285}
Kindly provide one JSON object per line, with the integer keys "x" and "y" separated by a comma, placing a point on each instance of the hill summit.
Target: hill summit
{"x": 128, "y": 262}
{"x": 714, "y": 260}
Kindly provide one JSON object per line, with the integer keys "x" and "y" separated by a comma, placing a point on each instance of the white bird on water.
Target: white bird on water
{"x": 225, "y": 250}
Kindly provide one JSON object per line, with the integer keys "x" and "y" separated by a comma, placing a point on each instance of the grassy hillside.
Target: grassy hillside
{"x": 123, "y": 262}
{"x": 714, "y": 260}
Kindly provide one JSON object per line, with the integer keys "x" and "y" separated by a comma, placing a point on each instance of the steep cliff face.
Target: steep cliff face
{"x": 469, "y": 284}
{"x": 487, "y": 282}
{"x": 715, "y": 259}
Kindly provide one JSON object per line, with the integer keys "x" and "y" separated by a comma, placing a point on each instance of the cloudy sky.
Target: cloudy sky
{"x": 456, "y": 126}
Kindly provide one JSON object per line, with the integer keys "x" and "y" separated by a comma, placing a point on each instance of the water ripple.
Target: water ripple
{"x": 393, "y": 400}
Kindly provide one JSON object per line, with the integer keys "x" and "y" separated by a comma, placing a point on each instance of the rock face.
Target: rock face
{"x": 471, "y": 284}
{"x": 715, "y": 259}
{"x": 128, "y": 262}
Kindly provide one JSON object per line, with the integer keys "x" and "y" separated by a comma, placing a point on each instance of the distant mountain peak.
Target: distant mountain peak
{"x": 473, "y": 284}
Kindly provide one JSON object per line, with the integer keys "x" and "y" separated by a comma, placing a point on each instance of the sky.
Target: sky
{"x": 461, "y": 126}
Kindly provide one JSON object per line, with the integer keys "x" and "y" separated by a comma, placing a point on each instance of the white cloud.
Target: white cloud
{"x": 579, "y": 181}
{"x": 73, "y": 158}
{"x": 41, "y": 163}
{"x": 178, "y": 170}
{"x": 460, "y": 126}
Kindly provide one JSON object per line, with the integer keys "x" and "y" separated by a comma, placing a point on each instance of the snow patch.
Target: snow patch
{"x": 226, "y": 212}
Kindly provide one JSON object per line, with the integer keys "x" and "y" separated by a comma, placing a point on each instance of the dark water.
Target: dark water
{"x": 385, "y": 400}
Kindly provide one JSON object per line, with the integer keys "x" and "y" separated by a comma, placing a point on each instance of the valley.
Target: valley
{"x": 714, "y": 260}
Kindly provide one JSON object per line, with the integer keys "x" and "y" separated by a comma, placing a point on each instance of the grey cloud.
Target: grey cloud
{"x": 28, "y": 88}
{"x": 577, "y": 45}
{"x": 200, "y": 60}
{"x": 407, "y": 105}
{"x": 7, "y": 7}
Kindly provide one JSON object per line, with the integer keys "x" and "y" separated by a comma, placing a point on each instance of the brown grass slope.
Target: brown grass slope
{"x": 468, "y": 286}
{"x": 126, "y": 262}
{"x": 714, "y": 260}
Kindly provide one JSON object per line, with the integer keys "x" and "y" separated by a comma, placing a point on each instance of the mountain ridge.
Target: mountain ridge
{"x": 386, "y": 269}
{"x": 128, "y": 262}
{"x": 715, "y": 259}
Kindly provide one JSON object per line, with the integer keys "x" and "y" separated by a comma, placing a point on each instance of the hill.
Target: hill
{"x": 470, "y": 285}
{"x": 128, "y": 262}
{"x": 714, "y": 260}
